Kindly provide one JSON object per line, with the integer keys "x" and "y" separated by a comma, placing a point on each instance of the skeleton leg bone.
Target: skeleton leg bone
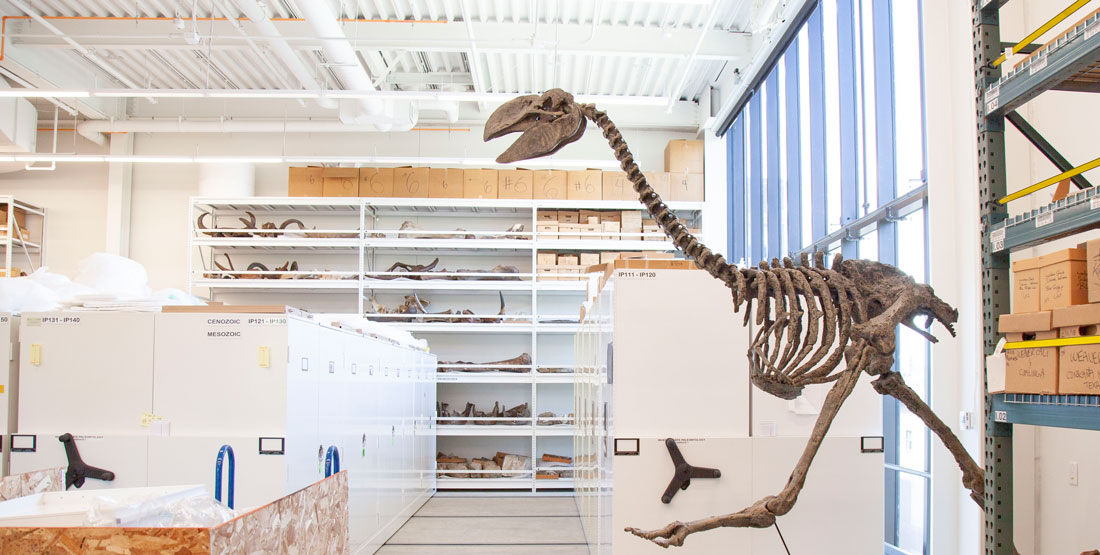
{"x": 893, "y": 385}
{"x": 762, "y": 513}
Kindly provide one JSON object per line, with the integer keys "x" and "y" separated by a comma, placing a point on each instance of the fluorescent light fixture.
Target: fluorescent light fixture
{"x": 263, "y": 93}
{"x": 239, "y": 160}
{"x": 42, "y": 93}
{"x": 139, "y": 159}
{"x": 160, "y": 93}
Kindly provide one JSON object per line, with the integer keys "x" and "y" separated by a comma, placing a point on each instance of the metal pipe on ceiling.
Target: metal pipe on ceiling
{"x": 326, "y": 25}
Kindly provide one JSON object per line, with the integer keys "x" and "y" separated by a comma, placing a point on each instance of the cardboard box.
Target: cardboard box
{"x": 617, "y": 187}
{"x": 515, "y": 184}
{"x": 547, "y": 230}
{"x": 684, "y": 156}
{"x": 607, "y": 256}
{"x": 590, "y": 217}
{"x": 1092, "y": 266}
{"x": 611, "y": 216}
{"x": 376, "y": 182}
{"x": 585, "y": 185}
{"x": 611, "y": 229}
{"x": 661, "y": 182}
{"x": 1078, "y": 365}
{"x": 11, "y": 272}
{"x": 590, "y": 232}
{"x": 1030, "y": 370}
{"x": 340, "y": 182}
{"x": 590, "y": 258}
{"x": 568, "y": 232}
{"x": 479, "y": 183}
{"x": 631, "y": 221}
{"x": 569, "y": 216}
{"x": 1056, "y": 280}
{"x": 301, "y": 182}
{"x": 547, "y": 216}
{"x": 444, "y": 183}
{"x": 549, "y": 184}
{"x": 547, "y": 259}
{"x": 410, "y": 182}
{"x": 568, "y": 260}
{"x": 686, "y": 187}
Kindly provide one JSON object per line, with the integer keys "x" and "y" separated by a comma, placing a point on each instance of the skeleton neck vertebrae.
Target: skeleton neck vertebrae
{"x": 810, "y": 318}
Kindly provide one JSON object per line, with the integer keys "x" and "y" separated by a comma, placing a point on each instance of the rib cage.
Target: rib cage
{"x": 804, "y": 312}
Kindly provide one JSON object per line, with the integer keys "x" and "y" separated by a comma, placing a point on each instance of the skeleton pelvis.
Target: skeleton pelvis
{"x": 772, "y": 386}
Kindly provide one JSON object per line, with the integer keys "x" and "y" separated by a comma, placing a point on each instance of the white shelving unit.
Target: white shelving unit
{"x": 370, "y": 241}
{"x": 22, "y": 248}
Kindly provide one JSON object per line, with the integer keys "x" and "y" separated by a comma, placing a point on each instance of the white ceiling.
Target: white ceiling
{"x": 658, "y": 50}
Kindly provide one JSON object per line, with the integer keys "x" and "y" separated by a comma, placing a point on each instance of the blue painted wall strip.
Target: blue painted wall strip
{"x": 816, "y": 50}
{"x": 755, "y": 182}
{"x": 737, "y": 219}
{"x": 794, "y": 151}
{"x": 775, "y": 220}
{"x": 849, "y": 140}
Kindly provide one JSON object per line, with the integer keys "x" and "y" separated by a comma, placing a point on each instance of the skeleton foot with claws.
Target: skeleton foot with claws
{"x": 816, "y": 324}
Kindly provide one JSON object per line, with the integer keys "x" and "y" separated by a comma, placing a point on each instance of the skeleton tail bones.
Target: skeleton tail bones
{"x": 816, "y": 316}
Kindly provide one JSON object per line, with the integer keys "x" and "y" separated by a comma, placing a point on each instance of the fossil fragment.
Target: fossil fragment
{"x": 818, "y": 324}
{"x": 521, "y": 360}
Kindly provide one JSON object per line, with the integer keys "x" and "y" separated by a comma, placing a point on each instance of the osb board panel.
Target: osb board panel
{"x": 311, "y": 520}
{"x": 30, "y": 483}
{"x": 104, "y": 541}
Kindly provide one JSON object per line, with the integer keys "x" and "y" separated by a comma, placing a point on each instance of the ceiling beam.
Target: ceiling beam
{"x": 615, "y": 41}
{"x": 434, "y": 78}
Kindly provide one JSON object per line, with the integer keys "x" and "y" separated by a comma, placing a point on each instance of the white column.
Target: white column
{"x": 119, "y": 189}
{"x": 715, "y": 193}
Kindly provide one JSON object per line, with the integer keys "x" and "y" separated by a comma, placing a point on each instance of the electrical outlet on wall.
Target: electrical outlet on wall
{"x": 1073, "y": 473}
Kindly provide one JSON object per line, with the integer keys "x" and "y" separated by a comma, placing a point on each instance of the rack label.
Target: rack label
{"x": 1043, "y": 219}
{"x": 1091, "y": 31}
{"x": 1039, "y": 64}
{"x": 1094, "y": 203}
{"x": 1000, "y": 416}
{"x": 997, "y": 239}
{"x": 992, "y": 97}
{"x": 992, "y": 105}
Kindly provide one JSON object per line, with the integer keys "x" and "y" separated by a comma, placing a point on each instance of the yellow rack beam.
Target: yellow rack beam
{"x": 1051, "y": 181}
{"x": 1062, "y": 342}
{"x": 1041, "y": 30}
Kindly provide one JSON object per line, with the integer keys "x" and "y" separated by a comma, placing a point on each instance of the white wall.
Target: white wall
{"x": 75, "y": 198}
{"x": 75, "y": 194}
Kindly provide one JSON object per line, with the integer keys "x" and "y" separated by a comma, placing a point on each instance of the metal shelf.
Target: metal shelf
{"x": 276, "y": 285}
{"x": 448, "y": 286}
{"x": 1075, "y": 213}
{"x": 441, "y": 207}
{"x": 602, "y": 245}
{"x": 512, "y": 328}
{"x": 522, "y": 482}
{"x": 284, "y": 244}
{"x": 1070, "y": 62}
{"x": 498, "y": 430}
{"x": 1080, "y": 412}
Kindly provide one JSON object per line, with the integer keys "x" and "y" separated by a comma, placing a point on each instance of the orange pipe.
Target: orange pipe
{"x": 4, "y": 23}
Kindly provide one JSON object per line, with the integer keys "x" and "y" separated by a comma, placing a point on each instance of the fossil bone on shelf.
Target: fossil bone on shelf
{"x": 817, "y": 324}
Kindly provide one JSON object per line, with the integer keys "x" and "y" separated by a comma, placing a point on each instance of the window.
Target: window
{"x": 829, "y": 137}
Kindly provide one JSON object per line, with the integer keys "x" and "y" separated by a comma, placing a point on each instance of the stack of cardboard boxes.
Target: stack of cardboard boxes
{"x": 682, "y": 180}
{"x": 1054, "y": 296}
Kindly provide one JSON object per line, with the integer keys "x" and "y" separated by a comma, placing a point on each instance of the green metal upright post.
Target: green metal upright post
{"x": 998, "y": 538}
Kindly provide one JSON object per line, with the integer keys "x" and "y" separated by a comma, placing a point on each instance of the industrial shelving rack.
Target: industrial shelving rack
{"x": 16, "y": 245}
{"x": 1069, "y": 62}
{"x": 359, "y": 248}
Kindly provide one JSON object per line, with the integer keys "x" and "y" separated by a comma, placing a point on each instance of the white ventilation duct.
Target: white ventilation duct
{"x": 18, "y": 128}
{"x": 94, "y": 129}
{"x": 449, "y": 108}
{"x": 387, "y": 115}
{"x": 280, "y": 47}
{"x": 227, "y": 180}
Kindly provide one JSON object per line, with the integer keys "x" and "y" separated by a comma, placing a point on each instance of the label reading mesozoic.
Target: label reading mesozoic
{"x": 223, "y": 328}
{"x": 1043, "y": 219}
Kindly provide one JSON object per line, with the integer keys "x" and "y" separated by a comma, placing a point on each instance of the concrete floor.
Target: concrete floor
{"x": 513, "y": 525}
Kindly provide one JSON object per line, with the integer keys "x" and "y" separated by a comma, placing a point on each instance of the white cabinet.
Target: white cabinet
{"x": 661, "y": 355}
{"x": 9, "y": 379}
{"x": 280, "y": 389}
{"x": 85, "y": 372}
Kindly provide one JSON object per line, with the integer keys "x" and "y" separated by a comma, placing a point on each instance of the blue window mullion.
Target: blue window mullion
{"x": 849, "y": 140}
{"x": 775, "y": 220}
{"x": 816, "y": 50}
{"x": 756, "y": 186}
{"x": 737, "y": 214}
{"x": 794, "y": 151}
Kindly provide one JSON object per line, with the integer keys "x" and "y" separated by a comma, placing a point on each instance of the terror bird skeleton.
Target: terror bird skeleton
{"x": 811, "y": 317}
